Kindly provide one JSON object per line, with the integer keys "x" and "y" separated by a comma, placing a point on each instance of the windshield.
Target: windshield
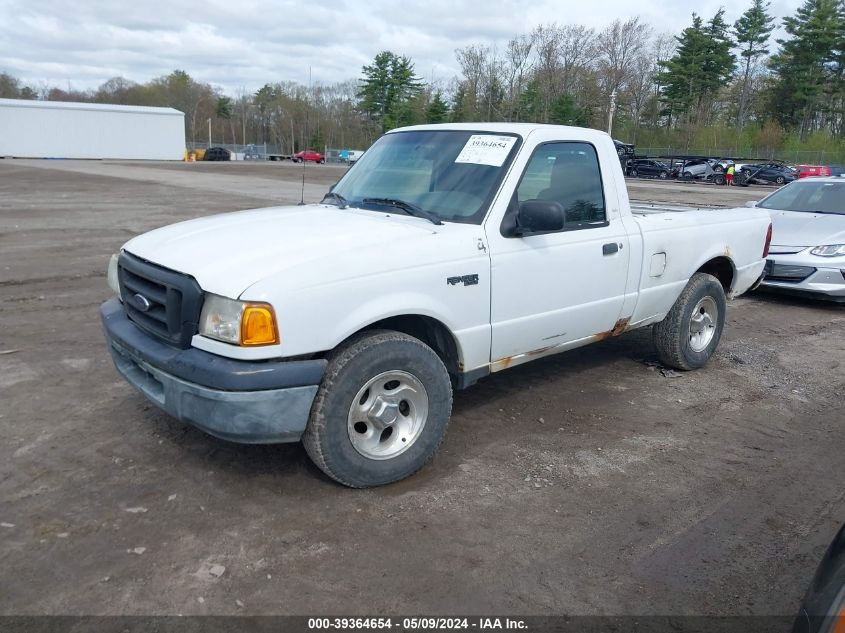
{"x": 808, "y": 196}
{"x": 449, "y": 174}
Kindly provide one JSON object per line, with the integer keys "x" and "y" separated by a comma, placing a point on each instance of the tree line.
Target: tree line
{"x": 714, "y": 85}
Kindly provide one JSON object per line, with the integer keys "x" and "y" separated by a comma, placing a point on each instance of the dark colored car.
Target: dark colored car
{"x": 624, "y": 150}
{"x": 767, "y": 174}
{"x": 823, "y": 609}
{"x": 217, "y": 153}
{"x": 649, "y": 167}
{"x": 836, "y": 169}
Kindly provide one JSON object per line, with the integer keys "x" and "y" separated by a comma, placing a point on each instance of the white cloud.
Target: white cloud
{"x": 247, "y": 43}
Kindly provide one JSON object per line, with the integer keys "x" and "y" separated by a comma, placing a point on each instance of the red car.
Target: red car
{"x": 309, "y": 155}
{"x": 809, "y": 171}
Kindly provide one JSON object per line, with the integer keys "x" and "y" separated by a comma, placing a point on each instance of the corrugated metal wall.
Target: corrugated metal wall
{"x": 53, "y": 129}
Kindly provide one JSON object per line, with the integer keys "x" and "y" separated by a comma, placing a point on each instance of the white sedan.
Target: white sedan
{"x": 807, "y": 255}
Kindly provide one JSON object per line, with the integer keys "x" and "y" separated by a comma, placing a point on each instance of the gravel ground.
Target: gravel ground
{"x": 593, "y": 482}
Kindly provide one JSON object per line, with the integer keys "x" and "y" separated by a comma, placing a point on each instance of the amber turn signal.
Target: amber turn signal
{"x": 258, "y": 325}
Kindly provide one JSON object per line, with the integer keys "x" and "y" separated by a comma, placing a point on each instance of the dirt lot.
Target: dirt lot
{"x": 587, "y": 483}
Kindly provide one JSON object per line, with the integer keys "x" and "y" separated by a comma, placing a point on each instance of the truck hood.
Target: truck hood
{"x": 794, "y": 228}
{"x": 228, "y": 253}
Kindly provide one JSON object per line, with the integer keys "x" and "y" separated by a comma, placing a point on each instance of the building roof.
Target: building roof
{"x": 96, "y": 107}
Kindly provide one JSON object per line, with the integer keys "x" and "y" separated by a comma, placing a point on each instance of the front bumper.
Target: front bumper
{"x": 804, "y": 275}
{"x": 242, "y": 401}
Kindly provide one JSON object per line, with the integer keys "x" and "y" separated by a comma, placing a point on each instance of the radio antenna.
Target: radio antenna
{"x": 302, "y": 194}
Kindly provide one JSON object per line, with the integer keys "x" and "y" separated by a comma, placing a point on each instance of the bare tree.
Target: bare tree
{"x": 474, "y": 61}
{"x": 577, "y": 52}
{"x": 518, "y": 66}
{"x": 619, "y": 46}
{"x": 547, "y": 45}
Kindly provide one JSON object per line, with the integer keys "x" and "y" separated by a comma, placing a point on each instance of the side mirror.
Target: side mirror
{"x": 751, "y": 204}
{"x": 539, "y": 216}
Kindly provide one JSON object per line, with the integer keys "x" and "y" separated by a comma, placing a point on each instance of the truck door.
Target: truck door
{"x": 565, "y": 285}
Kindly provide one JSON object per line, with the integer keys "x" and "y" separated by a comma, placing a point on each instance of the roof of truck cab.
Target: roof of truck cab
{"x": 523, "y": 129}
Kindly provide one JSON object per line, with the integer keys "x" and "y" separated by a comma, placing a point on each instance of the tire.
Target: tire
{"x": 780, "y": 180}
{"x": 663, "y": 175}
{"x": 719, "y": 179}
{"x": 634, "y": 173}
{"x": 679, "y": 342}
{"x": 345, "y": 436}
{"x": 322, "y": 161}
{"x": 687, "y": 175}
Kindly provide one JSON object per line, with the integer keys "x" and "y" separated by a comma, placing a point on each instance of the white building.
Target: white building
{"x": 56, "y": 129}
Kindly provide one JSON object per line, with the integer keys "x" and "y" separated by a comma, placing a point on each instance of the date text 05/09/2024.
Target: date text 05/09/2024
{"x": 417, "y": 624}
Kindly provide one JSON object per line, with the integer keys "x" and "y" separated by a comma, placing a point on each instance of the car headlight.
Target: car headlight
{"x": 111, "y": 276}
{"x": 238, "y": 322}
{"x": 830, "y": 250}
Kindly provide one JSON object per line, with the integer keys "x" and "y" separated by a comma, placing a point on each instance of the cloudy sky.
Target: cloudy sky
{"x": 246, "y": 43}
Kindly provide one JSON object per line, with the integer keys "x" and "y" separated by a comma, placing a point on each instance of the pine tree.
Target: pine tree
{"x": 702, "y": 65}
{"x": 437, "y": 111}
{"x": 388, "y": 88}
{"x": 752, "y": 31}
{"x": 808, "y": 67}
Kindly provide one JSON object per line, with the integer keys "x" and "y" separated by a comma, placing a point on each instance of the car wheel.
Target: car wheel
{"x": 381, "y": 410}
{"x": 690, "y": 333}
{"x": 780, "y": 180}
{"x": 663, "y": 175}
{"x": 719, "y": 179}
{"x": 634, "y": 173}
{"x": 322, "y": 161}
{"x": 687, "y": 175}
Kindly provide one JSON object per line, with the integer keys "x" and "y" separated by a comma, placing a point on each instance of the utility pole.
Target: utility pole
{"x": 209, "y": 132}
{"x": 610, "y": 112}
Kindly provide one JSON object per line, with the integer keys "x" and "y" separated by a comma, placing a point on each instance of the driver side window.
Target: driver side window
{"x": 569, "y": 174}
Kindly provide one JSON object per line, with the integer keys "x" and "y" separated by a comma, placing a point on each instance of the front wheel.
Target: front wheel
{"x": 690, "y": 333}
{"x": 634, "y": 173}
{"x": 322, "y": 161}
{"x": 780, "y": 180}
{"x": 381, "y": 411}
{"x": 663, "y": 175}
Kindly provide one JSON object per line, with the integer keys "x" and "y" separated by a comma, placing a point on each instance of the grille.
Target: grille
{"x": 787, "y": 273}
{"x": 162, "y": 302}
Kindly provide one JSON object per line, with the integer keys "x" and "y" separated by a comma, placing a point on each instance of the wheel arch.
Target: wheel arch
{"x": 430, "y": 331}
{"x": 723, "y": 269}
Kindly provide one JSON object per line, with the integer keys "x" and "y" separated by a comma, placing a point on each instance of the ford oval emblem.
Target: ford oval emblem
{"x": 141, "y": 302}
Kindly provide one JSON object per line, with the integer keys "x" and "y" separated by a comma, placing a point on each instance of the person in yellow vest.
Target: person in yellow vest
{"x": 729, "y": 177}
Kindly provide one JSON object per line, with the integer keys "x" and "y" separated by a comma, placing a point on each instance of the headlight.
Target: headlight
{"x": 831, "y": 250}
{"x": 238, "y": 322}
{"x": 111, "y": 276}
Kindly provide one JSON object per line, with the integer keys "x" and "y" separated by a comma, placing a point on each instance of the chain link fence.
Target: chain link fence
{"x": 798, "y": 157}
{"x": 262, "y": 149}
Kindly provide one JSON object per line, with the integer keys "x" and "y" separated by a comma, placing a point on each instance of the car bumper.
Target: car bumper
{"x": 801, "y": 275}
{"x": 241, "y": 401}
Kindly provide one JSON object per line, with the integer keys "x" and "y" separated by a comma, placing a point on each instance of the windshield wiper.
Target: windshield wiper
{"x": 407, "y": 207}
{"x": 331, "y": 195}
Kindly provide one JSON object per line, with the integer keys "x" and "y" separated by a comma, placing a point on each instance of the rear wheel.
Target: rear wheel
{"x": 780, "y": 180}
{"x": 690, "y": 333}
{"x": 687, "y": 175}
{"x": 381, "y": 411}
{"x": 664, "y": 175}
{"x": 634, "y": 173}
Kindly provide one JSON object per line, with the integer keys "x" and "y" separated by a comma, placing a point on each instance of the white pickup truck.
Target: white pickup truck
{"x": 446, "y": 253}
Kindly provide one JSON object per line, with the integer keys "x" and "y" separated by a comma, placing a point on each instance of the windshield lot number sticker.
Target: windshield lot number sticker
{"x": 486, "y": 149}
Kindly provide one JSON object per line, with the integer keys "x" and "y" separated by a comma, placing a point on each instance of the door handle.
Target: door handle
{"x": 609, "y": 249}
